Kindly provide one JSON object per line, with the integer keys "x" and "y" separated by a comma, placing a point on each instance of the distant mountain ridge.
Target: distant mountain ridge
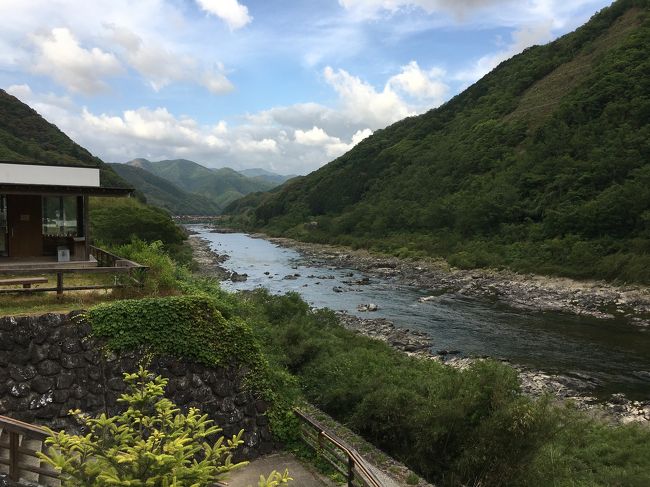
{"x": 266, "y": 175}
{"x": 27, "y": 137}
{"x": 541, "y": 166}
{"x": 164, "y": 194}
{"x": 218, "y": 186}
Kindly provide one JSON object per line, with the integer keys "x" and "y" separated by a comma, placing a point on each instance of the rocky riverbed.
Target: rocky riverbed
{"x": 540, "y": 294}
{"x": 209, "y": 262}
{"x": 528, "y": 292}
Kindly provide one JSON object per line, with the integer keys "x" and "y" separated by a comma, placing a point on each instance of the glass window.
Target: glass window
{"x": 60, "y": 216}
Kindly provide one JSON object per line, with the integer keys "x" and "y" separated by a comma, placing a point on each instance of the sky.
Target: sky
{"x": 284, "y": 85}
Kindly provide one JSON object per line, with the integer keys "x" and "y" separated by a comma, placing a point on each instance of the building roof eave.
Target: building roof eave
{"x": 7, "y": 188}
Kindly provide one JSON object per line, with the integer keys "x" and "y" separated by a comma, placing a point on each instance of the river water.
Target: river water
{"x": 612, "y": 355}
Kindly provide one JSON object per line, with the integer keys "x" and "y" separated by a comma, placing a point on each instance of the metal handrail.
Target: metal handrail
{"x": 355, "y": 463}
{"x": 16, "y": 429}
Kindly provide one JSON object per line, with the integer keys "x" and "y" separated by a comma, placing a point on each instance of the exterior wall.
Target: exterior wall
{"x": 37, "y": 174}
{"x": 49, "y": 364}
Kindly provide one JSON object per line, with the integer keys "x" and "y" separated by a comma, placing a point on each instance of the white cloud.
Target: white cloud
{"x": 427, "y": 85}
{"x": 339, "y": 148}
{"x": 60, "y": 56}
{"x": 264, "y": 145}
{"x": 522, "y": 38}
{"x": 409, "y": 92}
{"x": 362, "y": 103}
{"x": 290, "y": 139}
{"x": 230, "y": 11}
{"x": 370, "y": 8}
{"x": 161, "y": 66}
{"x": 314, "y": 136}
{"x": 334, "y": 147}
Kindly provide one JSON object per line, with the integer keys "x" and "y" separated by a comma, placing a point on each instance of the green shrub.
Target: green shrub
{"x": 454, "y": 427}
{"x": 163, "y": 273}
{"x": 191, "y": 327}
{"x": 117, "y": 221}
{"x": 151, "y": 443}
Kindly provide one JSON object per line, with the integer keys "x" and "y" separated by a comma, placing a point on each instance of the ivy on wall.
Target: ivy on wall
{"x": 186, "y": 327}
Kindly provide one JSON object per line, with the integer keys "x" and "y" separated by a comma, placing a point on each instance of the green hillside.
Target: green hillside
{"x": 541, "y": 166}
{"x": 163, "y": 194}
{"x": 221, "y": 186}
{"x": 27, "y": 137}
{"x": 265, "y": 175}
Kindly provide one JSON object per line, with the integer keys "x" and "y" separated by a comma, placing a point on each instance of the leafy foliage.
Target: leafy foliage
{"x": 192, "y": 327}
{"x": 120, "y": 222}
{"x": 163, "y": 273}
{"x": 150, "y": 444}
{"x": 454, "y": 427}
{"x": 117, "y": 220}
{"x": 540, "y": 166}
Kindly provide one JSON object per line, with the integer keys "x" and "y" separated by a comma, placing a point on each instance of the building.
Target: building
{"x": 44, "y": 211}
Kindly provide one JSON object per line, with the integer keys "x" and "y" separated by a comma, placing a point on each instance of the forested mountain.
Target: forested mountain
{"x": 265, "y": 175}
{"x": 164, "y": 194}
{"x": 221, "y": 186}
{"x": 541, "y": 166}
{"x": 27, "y": 137}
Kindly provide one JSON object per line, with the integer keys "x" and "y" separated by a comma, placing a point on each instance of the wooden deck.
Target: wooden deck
{"x": 101, "y": 262}
{"x": 9, "y": 264}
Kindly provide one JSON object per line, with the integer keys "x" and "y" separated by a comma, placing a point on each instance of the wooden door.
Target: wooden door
{"x": 25, "y": 225}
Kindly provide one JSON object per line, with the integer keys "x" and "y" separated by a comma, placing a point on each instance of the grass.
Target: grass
{"x": 11, "y": 304}
{"x": 48, "y": 302}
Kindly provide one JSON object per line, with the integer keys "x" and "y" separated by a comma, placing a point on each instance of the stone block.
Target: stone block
{"x": 54, "y": 352}
{"x": 262, "y": 420}
{"x": 71, "y": 361}
{"x": 42, "y": 384}
{"x": 18, "y": 389}
{"x": 94, "y": 373}
{"x": 60, "y": 396}
{"x": 65, "y": 380}
{"x": 91, "y": 403}
{"x": 6, "y": 342}
{"x": 41, "y": 401}
{"x": 38, "y": 352}
{"x": 22, "y": 373}
{"x": 92, "y": 357}
{"x": 241, "y": 398}
{"x": 70, "y": 345}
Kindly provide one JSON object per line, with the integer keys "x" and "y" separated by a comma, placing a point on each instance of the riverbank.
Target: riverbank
{"x": 535, "y": 383}
{"x": 578, "y": 388}
{"x": 526, "y": 292}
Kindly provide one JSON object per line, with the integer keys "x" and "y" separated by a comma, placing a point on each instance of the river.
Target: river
{"x": 608, "y": 355}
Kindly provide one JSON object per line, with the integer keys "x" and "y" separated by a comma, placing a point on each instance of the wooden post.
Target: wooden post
{"x": 86, "y": 225}
{"x": 59, "y": 283}
{"x": 350, "y": 471}
{"x": 13, "y": 456}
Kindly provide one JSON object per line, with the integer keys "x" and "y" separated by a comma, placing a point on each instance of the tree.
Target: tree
{"x": 150, "y": 444}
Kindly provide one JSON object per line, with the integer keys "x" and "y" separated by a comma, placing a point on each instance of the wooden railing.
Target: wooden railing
{"x": 343, "y": 459}
{"x": 20, "y": 460}
{"x": 107, "y": 259}
{"x": 107, "y": 263}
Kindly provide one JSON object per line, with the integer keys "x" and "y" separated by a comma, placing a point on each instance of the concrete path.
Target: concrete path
{"x": 303, "y": 476}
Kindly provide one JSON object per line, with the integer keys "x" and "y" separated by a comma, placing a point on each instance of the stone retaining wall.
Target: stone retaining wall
{"x": 49, "y": 364}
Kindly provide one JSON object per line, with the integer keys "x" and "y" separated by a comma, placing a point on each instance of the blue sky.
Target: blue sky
{"x": 286, "y": 85}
